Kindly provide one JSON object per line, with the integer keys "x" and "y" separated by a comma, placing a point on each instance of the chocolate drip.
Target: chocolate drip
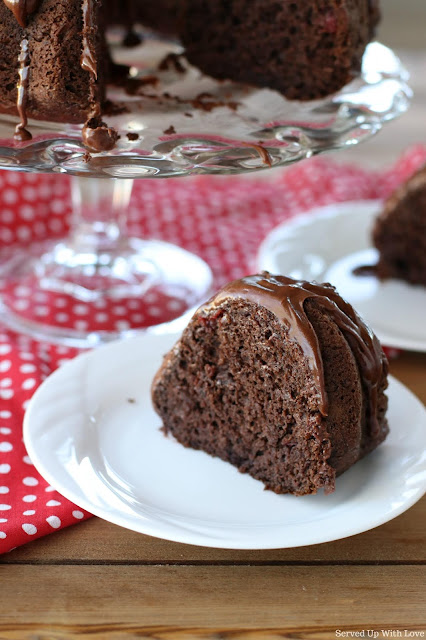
{"x": 21, "y": 133}
{"x": 263, "y": 153}
{"x": 365, "y": 270}
{"x": 21, "y": 9}
{"x": 88, "y": 55}
{"x": 96, "y": 135}
{"x": 285, "y": 298}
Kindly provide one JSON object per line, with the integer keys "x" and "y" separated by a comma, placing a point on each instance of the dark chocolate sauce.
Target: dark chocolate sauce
{"x": 285, "y": 298}
{"x": 96, "y": 135}
{"x": 21, "y": 133}
{"x": 263, "y": 153}
{"x": 22, "y": 9}
{"x": 365, "y": 270}
{"x": 88, "y": 55}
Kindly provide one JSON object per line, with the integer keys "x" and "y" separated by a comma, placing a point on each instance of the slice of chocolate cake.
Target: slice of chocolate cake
{"x": 53, "y": 65}
{"x": 58, "y": 47}
{"x": 399, "y": 233}
{"x": 157, "y": 15}
{"x": 305, "y": 50}
{"x": 280, "y": 378}
{"x": 160, "y": 15}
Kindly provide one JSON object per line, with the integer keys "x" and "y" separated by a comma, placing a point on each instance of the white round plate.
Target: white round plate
{"x": 92, "y": 433}
{"x": 326, "y": 245}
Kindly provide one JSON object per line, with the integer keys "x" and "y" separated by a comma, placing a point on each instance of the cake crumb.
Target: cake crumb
{"x": 207, "y": 102}
{"x": 170, "y": 131}
{"x": 172, "y": 61}
{"x": 135, "y": 86}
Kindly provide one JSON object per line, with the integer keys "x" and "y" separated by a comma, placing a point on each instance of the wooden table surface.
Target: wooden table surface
{"x": 96, "y": 580}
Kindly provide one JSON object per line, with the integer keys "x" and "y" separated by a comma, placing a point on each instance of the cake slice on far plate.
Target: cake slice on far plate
{"x": 399, "y": 233}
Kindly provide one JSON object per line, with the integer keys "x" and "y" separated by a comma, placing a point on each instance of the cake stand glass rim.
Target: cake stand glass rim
{"x": 162, "y": 133}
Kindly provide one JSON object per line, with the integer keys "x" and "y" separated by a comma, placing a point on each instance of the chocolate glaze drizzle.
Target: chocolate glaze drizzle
{"x": 365, "y": 270}
{"x": 285, "y": 298}
{"x": 22, "y": 9}
{"x": 88, "y": 55}
{"x": 21, "y": 133}
{"x": 97, "y": 136}
{"x": 88, "y": 63}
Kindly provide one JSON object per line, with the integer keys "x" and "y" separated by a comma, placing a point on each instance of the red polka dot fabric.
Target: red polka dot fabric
{"x": 222, "y": 220}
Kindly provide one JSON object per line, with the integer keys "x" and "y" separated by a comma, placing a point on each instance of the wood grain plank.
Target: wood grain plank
{"x": 128, "y": 632}
{"x": 112, "y": 599}
{"x": 95, "y": 541}
{"x": 410, "y": 369}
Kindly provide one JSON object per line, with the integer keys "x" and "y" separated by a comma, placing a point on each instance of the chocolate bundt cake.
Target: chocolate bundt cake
{"x": 159, "y": 15}
{"x": 399, "y": 233}
{"x": 54, "y": 61}
{"x": 305, "y": 50}
{"x": 53, "y": 65}
{"x": 280, "y": 378}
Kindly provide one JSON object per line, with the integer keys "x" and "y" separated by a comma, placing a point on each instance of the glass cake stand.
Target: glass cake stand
{"x": 172, "y": 122}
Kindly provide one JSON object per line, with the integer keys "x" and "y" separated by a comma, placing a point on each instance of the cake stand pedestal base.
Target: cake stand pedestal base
{"x": 99, "y": 285}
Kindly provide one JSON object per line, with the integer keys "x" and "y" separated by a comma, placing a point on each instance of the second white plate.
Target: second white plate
{"x": 92, "y": 433}
{"x": 326, "y": 245}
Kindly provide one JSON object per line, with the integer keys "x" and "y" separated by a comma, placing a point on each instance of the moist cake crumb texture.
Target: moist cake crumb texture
{"x": 280, "y": 378}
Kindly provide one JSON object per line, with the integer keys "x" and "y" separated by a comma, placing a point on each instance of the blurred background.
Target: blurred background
{"x": 403, "y": 28}
{"x": 404, "y": 23}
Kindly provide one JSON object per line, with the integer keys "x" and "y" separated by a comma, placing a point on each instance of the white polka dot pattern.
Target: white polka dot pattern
{"x": 30, "y": 529}
{"x": 223, "y": 221}
{"x": 54, "y": 521}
